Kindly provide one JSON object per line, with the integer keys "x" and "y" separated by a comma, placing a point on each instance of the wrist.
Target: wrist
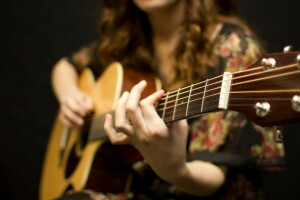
{"x": 66, "y": 92}
{"x": 176, "y": 174}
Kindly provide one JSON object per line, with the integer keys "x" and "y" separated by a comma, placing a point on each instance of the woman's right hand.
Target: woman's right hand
{"x": 74, "y": 107}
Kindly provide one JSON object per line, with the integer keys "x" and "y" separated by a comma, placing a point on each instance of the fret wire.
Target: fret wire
{"x": 189, "y": 96}
{"x": 164, "y": 109}
{"x": 212, "y": 95}
{"x": 203, "y": 96}
{"x": 204, "y": 82}
{"x": 210, "y": 109}
{"x": 194, "y": 106}
{"x": 187, "y": 106}
{"x": 178, "y": 91}
{"x": 175, "y": 90}
{"x": 193, "y": 112}
{"x": 198, "y": 89}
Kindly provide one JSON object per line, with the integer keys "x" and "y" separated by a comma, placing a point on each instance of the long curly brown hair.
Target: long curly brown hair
{"x": 126, "y": 36}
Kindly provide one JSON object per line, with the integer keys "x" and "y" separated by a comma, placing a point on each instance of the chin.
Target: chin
{"x": 154, "y": 5}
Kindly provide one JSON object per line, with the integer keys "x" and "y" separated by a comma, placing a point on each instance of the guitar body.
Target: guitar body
{"x": 72, "y": 161}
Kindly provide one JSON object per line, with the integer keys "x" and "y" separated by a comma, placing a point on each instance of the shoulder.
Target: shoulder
{"x": 229, "y": 28}
{"x": 86, "y": 57}
{"x": 236, "y": 47}
{"x": 236, "y": 33}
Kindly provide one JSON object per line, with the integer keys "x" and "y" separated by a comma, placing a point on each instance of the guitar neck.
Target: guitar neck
{"x": 197, "y": 99}
{"x": 268, "y": 93}
{"x": 96, "y": 129}
{"x": 194, "y": 100}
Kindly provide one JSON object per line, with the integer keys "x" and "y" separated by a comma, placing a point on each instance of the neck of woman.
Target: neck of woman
{"x": 166, "y": 21}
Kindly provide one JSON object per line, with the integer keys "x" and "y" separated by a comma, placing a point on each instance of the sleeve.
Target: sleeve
{"x": 86, "y": 57}
{"x": 228, "y": 138}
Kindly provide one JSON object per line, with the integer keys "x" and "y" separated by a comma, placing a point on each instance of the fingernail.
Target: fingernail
{"x": 125, "y": 94}
{"x": 143, "y": 82}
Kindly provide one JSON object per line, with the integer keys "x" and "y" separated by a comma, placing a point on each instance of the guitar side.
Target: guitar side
{"x": 54, "y": 181}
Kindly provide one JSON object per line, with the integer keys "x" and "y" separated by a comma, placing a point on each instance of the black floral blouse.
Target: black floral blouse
{"x": 227, "y": 139}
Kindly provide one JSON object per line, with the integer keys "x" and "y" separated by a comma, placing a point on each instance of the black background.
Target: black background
{"x": 36, "y": 33}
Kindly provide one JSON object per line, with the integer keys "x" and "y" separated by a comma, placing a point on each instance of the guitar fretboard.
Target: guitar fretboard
{"x": 97, "y": 127}
{"x": 193, "y": 100}
{"x": 186, "y": 102}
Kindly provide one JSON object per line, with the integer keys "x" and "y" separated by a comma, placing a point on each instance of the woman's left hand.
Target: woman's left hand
{"x": 137, "y": 123}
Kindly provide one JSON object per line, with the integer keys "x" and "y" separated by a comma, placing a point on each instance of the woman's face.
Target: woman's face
{"x": 154, "y": 5}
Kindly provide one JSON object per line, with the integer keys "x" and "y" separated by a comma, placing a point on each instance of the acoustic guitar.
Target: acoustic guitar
{"x": 268, "y": 93}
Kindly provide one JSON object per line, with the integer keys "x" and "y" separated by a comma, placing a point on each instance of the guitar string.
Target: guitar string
{"x": 238, "y": 77}
{"x": 264, "y": 91}
{"x": 203, "y": 82}
{"x": 235, "y": 73}
{"x": 101, "y": 117}
{"x": 214, "y": 106}
{"x": 269, "y": 91}
{"x": 196, "y": 111}
{"x": 236, "y": 92}
{"x": 259, "y": 91}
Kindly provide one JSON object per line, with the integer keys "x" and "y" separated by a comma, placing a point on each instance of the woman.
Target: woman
{"x": 181, "y": 41}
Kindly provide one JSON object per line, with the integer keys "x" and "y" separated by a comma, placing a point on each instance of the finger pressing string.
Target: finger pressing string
{"x": 132, "y": 107}
{"x": 114, "y": 136}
